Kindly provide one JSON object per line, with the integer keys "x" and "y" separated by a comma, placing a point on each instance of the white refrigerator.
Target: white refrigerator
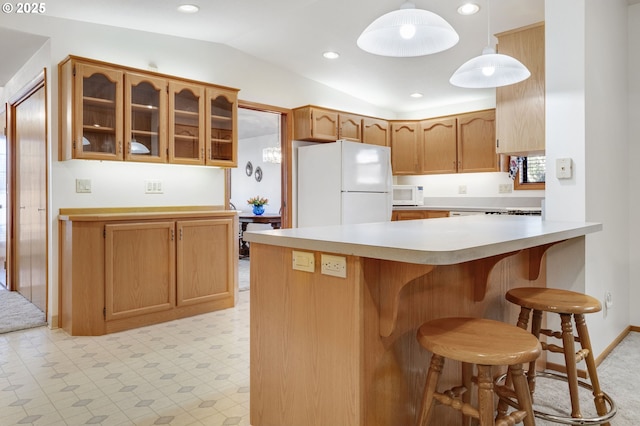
{"x": 343, "y": 183}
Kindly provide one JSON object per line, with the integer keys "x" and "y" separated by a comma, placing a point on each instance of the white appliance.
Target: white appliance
{"x": 343, "y": 183}
{"x": 408, "y": 195}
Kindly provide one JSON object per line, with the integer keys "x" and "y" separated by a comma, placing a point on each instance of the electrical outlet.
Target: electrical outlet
{"x": 83, "y": 185}
{"x": 333, "y": 265}
{"x": 462, "y": 189}
{"x": 303, "y": 261}
{"x": 504, "y": 188}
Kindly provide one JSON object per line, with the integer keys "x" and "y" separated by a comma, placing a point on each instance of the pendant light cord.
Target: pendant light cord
{"x": 488, "y": 23}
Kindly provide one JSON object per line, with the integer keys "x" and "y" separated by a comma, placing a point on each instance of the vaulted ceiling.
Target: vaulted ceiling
{"x": 294, "y": 33}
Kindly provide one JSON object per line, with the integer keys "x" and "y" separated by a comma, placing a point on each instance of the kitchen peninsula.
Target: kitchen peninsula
{"x": 327, "y": 350}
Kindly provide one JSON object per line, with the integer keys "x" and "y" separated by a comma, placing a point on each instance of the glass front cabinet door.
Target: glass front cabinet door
{"x": 186, "y": 123}
{"x": 98, "y": 113}
{"x": 145, "y": 119}
{"x": 221, "y": 113}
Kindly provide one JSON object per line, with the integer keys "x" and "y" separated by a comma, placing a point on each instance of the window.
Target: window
{"x": 531, "y": 173}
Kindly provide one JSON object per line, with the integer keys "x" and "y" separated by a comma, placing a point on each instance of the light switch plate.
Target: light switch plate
{"x": 153, "y": 187}
{"x": 563, "y": 168}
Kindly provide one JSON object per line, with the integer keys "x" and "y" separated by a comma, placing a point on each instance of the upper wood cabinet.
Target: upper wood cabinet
{"x": 454, "y": 144}
{"x": 520, "y": 107}
{"x": 315, "y": 124}
{"x": 376, "y": 131}
{"x": 476, "y": 133}
{"x": 439, "y": 146}
{"x": 406, "y": 150}
{"x": 186, "y": 123}
{"x": 145, "y": 118}
{"x": 222, "y": 139}
{"x": 109, "y": 112}
{"x": 91, "y": 112}
{"x": 350, "y": 127}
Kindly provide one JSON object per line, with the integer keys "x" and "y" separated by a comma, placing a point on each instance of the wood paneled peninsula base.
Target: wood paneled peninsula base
{"x": 327, "y": 350}
{"x": 130, "y": 267}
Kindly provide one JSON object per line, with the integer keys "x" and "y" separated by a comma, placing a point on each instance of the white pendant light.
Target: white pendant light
{"x": 490, "y": 69}
{"x": 408, "y": 32}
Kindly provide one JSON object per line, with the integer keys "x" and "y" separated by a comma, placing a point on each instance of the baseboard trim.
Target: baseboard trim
{"x": 615, "y": 343}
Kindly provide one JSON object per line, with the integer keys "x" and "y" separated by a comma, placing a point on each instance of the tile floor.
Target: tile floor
{"x": 193, "y": 371}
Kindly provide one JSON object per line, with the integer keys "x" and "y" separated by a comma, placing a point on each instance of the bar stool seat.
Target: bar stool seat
{"x": 485, "y": 343}
{"x": 567, "y": 304}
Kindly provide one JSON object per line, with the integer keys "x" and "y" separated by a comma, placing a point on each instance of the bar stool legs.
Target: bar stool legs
{"x": 483, "y": 343}
{"x": 570, "y": 306}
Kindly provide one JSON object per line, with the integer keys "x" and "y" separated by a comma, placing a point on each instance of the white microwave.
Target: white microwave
{"x": 408, "y": 195}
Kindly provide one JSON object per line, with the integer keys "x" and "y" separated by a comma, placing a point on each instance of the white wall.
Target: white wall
{"x": 244, "y": 187}
{"x": 586, "y": 120}
{"x": 633, "y": 161}
{"x": 476, "y": 184}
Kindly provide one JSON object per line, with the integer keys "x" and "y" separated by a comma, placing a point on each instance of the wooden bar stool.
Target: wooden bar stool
{"x": 567, "y": 304}
{"x": 485, "y": 343}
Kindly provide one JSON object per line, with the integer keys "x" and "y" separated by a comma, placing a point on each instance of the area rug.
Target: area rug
{"x": 16, "y": 313}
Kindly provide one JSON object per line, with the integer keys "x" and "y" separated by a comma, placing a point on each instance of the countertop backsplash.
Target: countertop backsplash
{"x": 479, "y": 203}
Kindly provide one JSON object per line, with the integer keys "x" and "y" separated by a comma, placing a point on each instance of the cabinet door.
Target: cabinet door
{"x": 520, "y": 107}
{"x": 405, "y": 149}
{"x": 221, "y": 133}
{"x": 375, "y": 131}
{"x": 408, "y": 214}
{"x": 315, "y": 124}
{"x": 98, "y": 113}
{"x": 145, "y": 118}
{"x": 205, "y": 268}
{"x": 418, "y": 214}
{"x": 350, "y": 127}
{"x": 186, "y": 123}
{"x": 139, "y": 268}
{"x": 434, "y": 214}
{"x": 476, "y": 133}
{"x": 439, "y": 146}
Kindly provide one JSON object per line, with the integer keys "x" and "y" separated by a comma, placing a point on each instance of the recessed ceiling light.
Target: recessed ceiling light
{"x": 468, "y": 9}
{"x": 416, "y": 95}
{"x": 331, "y": 55}
{"x": 188, "y": 8}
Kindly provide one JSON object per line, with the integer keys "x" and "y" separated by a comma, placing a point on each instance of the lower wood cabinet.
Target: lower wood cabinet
{"x": 418, "y": 214}
{"x": 120, "y": 270}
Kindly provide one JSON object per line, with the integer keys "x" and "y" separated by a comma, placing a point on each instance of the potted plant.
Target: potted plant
{"x": 258, "y": 204}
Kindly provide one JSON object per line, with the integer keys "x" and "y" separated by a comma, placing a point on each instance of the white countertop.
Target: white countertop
{"x": 442, "y": 241}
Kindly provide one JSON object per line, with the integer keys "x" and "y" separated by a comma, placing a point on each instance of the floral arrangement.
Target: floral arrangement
{"x": 257, "y": 201}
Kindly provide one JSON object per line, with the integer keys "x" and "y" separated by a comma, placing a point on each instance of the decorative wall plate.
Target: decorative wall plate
{"x": 258, "y": 174}
{"x": 248, "y": 168}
